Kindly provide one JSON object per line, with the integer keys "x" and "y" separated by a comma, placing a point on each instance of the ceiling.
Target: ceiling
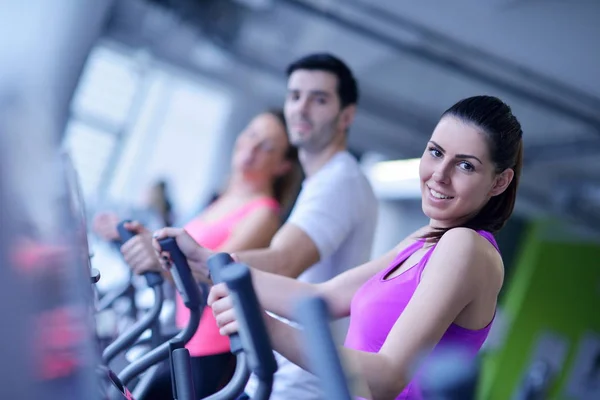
{"x": 413, "y": 60}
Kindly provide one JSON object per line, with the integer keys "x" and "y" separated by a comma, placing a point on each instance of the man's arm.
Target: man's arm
{"x": 317, "y": 227}
{"x": 291, "y": 252}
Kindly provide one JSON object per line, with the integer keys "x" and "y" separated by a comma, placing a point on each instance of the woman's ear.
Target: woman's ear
{"x": 502, "y": 181}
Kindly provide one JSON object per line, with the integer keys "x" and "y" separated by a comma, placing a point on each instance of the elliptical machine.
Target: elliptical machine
{"x": 190, "y": 292}
{"x": 252, "y": 345}
{"x": 149, "y": 320}
{"x": 450, "y": 375}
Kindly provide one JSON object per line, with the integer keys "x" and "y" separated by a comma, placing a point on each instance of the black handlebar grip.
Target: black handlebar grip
{"x": 253, "y": 330}
{"x": 124, "y": 233}
{"x": 182, "y": 275}
{"x": 322, "y": 351}
{"x": 152, "y": 278}
{"x": 216, "y": 264}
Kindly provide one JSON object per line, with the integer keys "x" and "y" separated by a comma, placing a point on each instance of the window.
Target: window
{"x": 134, "y": 121}
{"x": 99, "y": 111}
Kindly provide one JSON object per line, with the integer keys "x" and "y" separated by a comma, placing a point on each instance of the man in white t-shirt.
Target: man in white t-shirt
{"x": 332, "y": 225}
{"x": 337, "y": 211}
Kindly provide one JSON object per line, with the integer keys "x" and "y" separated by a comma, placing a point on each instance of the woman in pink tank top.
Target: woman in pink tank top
{"x": 434, "y": 292}
{"x": 264, "y": 182}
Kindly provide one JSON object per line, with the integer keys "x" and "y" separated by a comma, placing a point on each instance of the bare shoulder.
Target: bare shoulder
{"x": 262, "y": 220}
{"x": 466, "y": 239}
{"x": 472, "y": 253}
{"x": 262, "y": 214}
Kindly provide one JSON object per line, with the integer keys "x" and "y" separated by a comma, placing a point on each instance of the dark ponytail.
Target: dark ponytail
{"x": 505, "y": 142}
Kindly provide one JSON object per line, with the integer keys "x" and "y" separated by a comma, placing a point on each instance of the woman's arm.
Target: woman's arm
{"x": 459, "y": 268}
{"x": 255, "y": 230}
{"x": 289, "y": 342}
{"x": 339, "y": 291}
{"x": 278, "y": 294}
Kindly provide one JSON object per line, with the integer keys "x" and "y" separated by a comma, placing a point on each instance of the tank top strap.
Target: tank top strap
{"x": 490, "y": 237}
{"x": 423, "y": 261}
{"x": 406, "y": 252}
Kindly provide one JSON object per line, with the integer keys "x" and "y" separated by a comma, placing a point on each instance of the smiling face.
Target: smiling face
{"x": 457, "y": 174}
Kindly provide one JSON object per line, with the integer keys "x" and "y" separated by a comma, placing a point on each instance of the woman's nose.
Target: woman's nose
{"x": 441, "y": 174}
{"x": 254, "y": 146}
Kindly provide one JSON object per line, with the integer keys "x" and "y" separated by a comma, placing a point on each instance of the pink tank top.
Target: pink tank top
{"x": 379, "y": 303}
{"x": 213, "y": 235}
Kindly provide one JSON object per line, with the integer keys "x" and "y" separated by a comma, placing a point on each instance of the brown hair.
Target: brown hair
{"x": 160, "y": 203}
{"x": 287, "y": 186}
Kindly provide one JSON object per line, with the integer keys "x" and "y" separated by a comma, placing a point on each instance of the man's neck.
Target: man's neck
{"x": 313, "y": 162}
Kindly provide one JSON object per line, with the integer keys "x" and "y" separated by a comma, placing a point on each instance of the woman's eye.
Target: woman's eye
{"x": 267, "y": 146}
{"x": 467, "y": 166}
{"x": 435, "y": 152}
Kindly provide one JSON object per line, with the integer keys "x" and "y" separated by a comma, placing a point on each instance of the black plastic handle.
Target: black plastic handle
{"x": 253, "y": 330}
{"x": 216, "y": 264}
{"x": 182, "y": 275}
{"x": 182, "y": 372}
{"x": 322, "y": 351}
{"x": 152, "y": 278}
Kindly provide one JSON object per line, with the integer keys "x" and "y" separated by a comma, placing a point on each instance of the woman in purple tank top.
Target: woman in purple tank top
{"x": 438, "y": 288}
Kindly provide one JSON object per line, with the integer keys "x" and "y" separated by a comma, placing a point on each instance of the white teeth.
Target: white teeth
{"x": 438, "y": 195}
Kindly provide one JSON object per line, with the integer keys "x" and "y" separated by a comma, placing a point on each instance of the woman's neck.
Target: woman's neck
{"x": 242, "y": 187}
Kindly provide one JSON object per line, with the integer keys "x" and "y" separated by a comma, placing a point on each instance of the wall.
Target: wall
{"x": 554, "y": 287}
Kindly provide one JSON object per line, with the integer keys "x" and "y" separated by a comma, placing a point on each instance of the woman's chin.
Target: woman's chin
{"x": 437, "y": 217}
{"x": 432, "y": 212}
{"x": 250, "y": 174}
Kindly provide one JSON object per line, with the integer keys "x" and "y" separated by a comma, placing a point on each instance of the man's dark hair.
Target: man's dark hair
{"x": 347, "y": 87}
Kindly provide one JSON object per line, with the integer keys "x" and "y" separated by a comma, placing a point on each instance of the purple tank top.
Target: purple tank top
{"x": 378, "y": 303}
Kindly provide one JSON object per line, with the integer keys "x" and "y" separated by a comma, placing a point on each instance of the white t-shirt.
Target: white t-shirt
{"x": 337, "y": 209}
